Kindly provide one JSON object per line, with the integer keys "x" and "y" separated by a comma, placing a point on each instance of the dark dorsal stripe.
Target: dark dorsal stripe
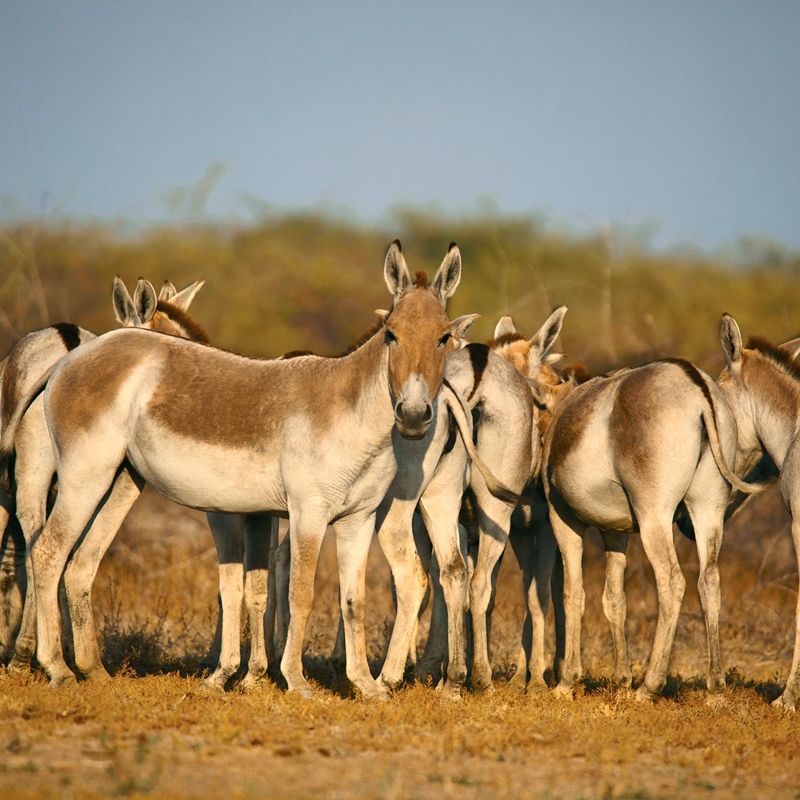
{"x": 70, "y": 334}
{"x": 696, "y": 378}
{"x": 193, "y": 330}
{"x": 777, "y": 355}
{"x": 360, "y": 342}
{"x": 479, "y": 356}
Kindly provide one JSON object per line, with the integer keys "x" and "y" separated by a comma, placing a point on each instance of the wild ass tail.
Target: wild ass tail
{"x": 710, "y": 421}
{"x": 8, "y": 439}
{"x": 461, "y": 414}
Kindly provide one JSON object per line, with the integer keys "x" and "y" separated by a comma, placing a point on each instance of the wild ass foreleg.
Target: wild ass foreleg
{"x": 283, "y": 571}
{"x": 82, "y": 570}
{"x": 569, "y": 535}
{"x": 410, "y": 580}
{"x": 257, "y": 528}
{"x": 270, "y": 615}
{"x": 228, "y": 533}
{"x": 523, "y": 542}
{"x": 660, "y": 550}
{"x": 615, "y": 603}
{"x": 708, "y": 535}
{"x": 12, "y": 580}
{"x": 494, "y": 519}
{"x": 307, "y": 530}
{"x": 34, "y": 470}
{"x": 353, "y": 539}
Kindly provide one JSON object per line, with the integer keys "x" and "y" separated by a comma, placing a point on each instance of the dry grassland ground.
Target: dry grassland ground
{"x": 152, "y": 732}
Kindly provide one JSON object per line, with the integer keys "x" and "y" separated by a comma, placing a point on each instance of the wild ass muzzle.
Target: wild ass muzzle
{"x": 27, "y": 369}
{"x": 762, "y": 385}
{"x": 213, "y": 430}
{"x": 621, "y": 454}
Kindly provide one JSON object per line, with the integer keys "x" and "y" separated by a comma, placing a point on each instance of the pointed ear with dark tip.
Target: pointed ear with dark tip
{"x": 504, "y": 327}
{"x": 546, "y": 336}
{"x": 395, "y": 271}
{"x": 461, "y": 325}
{"x": 145, "y": 300}
{"x": 183, "y": 299}
{"x": 124, "y": 310}
{"x": 448, "y": 275}
{"x": 731, "y": 338}
{"x": 168, "y": 291}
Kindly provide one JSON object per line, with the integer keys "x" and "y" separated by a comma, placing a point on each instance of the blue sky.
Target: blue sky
{"x": 685, "y": 115}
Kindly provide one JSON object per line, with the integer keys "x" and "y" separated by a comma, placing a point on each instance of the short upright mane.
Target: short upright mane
{"x": 194, "y": 331}
{"x": 777, "y": 355}
{"x": 362, "y": 340}
{"x": 504, "y": 339}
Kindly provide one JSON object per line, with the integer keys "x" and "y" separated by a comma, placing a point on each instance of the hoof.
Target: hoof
{"x": 251, "y": 682}
{"x": 302, "y": 690}
{"x": 19, "y": 666}
{"x": 536, "y": 686}
{"x": 563, "y": 690}
{"x": 63, "y": 680}
{"x": 783, "y": 702}
{"x": 644, "y": 695}
{"x": 388, "y": 683}
{"x": 97, "y": 675}
{"x": 450, "y": 693}
{"x": 213, "y": 685}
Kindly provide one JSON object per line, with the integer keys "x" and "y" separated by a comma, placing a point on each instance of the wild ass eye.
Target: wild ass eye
{"x": 445, "y": 339}
{"x": 390, "y": 338}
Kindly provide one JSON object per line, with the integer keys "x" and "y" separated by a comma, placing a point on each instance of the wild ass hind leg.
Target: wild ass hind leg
{"x": 523, "y": 542}
{"x": 397, "y": 541}
{"x": 659, "y": 547}
{"x": 569, "y": 531}
{"x": 257, "y": 528}
{"x": 615, "y": 604}
{"x": 353, "y": 539}
{"x": 228, "y": 533}
{"x": 82, "y": 569}
{"x": 307, "y": 530}
{"x": 78, "y": 498}
{"x": 270, "y": 615}
{"x": 791, "y": 693}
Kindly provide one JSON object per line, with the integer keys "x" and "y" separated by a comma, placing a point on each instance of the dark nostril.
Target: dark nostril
{"x": 428, "y": 415}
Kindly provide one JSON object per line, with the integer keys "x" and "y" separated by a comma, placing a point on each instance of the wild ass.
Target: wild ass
{"x": 761, "y": 382}
{"x": 621, "y": 454}
{"x": 33, "y": 357}
{"x": 212, "y": 430}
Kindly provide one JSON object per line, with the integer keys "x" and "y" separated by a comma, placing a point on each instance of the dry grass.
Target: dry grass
{"x": 153, "y": 732}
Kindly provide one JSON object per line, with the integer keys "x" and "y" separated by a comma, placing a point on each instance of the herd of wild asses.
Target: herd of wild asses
{"x": 446, "y": 449}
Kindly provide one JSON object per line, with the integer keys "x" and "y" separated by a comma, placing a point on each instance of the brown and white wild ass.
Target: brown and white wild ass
{"x": 761, "y": 382}
{"x": 621, "y": 454}
{"x": 213, "y": 430}
{"x": 34, "y": 357}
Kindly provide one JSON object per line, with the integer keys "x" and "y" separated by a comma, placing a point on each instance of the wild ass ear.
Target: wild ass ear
{"x": 382, "y": 314}
{"x": 504, "y": 327}
{"x": 144, "y": 300}
{"x": 545, "y": 338}
{"x": 731, "y": 338}
{"x": 461, "y": 325}
{"x": 124, "y": 310}
{"x": 395, "y": 271}
{"x": 551, "y": 358}
{"x": 183, "y": 299}
{"x": 448, "y": 275}
{"x": 793, "y": 347}
{"x": 168, "y": 291}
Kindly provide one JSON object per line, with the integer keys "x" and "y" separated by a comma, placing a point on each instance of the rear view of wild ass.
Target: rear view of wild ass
{"x": 310, "y": 436}
{"x": 621, "y": 454}
{"x": 31, "y": 360}
{"x": 762, "y": 385}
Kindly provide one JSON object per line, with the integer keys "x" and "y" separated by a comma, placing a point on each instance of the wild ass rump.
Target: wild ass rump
{"x": 224, "y": 433}
{"x": 762, "y": 385}
{"x": 621, "y": 454}
{"x": 27, "y": 365}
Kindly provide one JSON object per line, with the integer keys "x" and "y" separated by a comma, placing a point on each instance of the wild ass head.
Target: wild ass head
{"x": 419, "y": 336}
{"x": 166, "y": 313}
{"x": 761, "y": 382}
